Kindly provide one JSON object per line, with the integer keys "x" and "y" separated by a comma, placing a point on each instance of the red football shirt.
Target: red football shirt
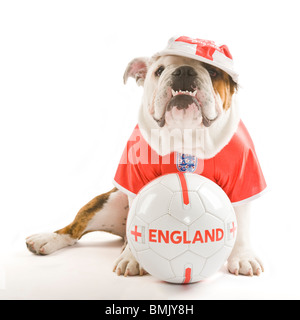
{"x": 235, "y": 168}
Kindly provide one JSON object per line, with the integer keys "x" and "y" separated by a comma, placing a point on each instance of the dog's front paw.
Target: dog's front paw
{"x": 46, "y": 243}
{"x": 127, "y": 265}
{"x": 244, "y": 261}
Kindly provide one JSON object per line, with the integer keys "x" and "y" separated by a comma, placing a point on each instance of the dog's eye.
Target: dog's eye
{"x": 212, "y": 73}
{"x": 159, "y": 71}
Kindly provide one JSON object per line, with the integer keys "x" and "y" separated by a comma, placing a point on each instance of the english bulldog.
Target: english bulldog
{"x": 188, "y": 107}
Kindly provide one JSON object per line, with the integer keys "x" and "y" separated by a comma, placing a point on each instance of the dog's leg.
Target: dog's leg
{"x": 126, "y": 264}
{"x": 242, "y": 259}
{"x": 107, "y": 212}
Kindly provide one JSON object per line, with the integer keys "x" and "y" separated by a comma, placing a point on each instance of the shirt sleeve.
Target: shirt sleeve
{"x": 135, "y": 169}
{"x": 240, "y": 176}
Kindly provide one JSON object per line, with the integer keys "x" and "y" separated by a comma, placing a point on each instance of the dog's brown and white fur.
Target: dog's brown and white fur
{"x": 217, "y": 118}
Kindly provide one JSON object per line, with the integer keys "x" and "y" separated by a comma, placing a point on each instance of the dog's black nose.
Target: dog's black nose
{"x": 185, "y": 71}
{"x": 184, "y": 78}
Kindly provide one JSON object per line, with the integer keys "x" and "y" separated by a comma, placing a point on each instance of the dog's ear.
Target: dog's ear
{"x": 232, "y": 88}
{"x": 137, "y": 69}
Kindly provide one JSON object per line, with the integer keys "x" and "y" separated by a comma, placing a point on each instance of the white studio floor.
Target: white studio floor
{"x": 84, "y": 271}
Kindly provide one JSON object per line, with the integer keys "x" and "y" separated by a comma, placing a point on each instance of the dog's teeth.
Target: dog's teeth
{"x": 175, "y": 93}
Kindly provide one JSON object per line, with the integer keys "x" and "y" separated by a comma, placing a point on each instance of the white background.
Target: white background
{"x": 66, "y": 115}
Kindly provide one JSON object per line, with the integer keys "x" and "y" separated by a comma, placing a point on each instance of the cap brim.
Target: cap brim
{"x": 171, "y": 52}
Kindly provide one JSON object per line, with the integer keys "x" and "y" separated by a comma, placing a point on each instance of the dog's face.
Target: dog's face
{"x": 181, "y": 92}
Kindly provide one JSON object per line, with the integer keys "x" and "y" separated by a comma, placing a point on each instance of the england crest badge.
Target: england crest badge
{"x": 186, "y": 162}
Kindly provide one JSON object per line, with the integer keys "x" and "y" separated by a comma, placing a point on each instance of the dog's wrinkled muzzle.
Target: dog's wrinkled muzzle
{"x": 184, "y": 103}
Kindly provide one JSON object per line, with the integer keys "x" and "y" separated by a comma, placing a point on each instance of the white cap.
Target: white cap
{"x": 203, "y": 50}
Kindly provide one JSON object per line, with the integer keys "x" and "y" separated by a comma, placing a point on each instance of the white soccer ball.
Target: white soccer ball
{"x": 181, "y": 228}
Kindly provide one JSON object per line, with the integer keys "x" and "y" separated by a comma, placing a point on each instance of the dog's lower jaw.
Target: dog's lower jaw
{"x": 242, "y": 259}
{"x": 161, "y": 122}
{"x": 198, "y": 121}
{"x": 208, "y": 122}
